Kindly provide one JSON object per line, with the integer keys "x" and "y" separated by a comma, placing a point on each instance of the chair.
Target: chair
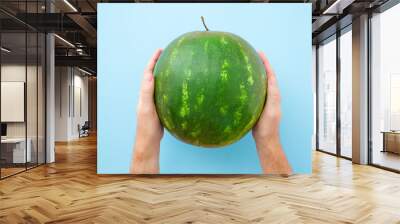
{"x": 84, "y": 130}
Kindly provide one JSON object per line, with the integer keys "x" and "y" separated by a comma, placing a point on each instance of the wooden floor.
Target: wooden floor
{"x": 70, "y": 191}
{"x": 387, "y": 159}
{"x": 5, "y": 172}
{"x": 9, "y": 171}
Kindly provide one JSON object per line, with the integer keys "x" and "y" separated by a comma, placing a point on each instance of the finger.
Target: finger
{"x": 147, "y": 90}
{"x": 273, "y": 89}
{"x": 150, "y": 65}
{"x": 273, "y": 102}
{"x": 274, "y": 97}
{"x": 268, "y": 68}
{"x": 148, "y": 85}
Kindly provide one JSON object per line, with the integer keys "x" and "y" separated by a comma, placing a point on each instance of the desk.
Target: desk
{"x": 391, "y": 141}
{"x": 16, "y": 147}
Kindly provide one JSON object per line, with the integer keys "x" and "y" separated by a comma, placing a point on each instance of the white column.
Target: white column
{"x": 360, "y": 90}
{"x": 50, "y": 92}
{"x": 50, "y": 99}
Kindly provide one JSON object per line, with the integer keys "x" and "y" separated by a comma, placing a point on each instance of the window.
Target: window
{"x": 385, "y": 89}
{"x": 346, "y": 92}
{"x": 327, "y": 96}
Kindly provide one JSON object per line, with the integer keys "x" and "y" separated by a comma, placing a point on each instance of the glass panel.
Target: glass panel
{"x": 386, "y": 89}
{"x": 41, "y": 98}
{"x": 327, "y": 96}
{"x": 314, "y": 71}
{"x": 23, "y": 90}
{"x": 13, "y": 89}
{"x": 32, "y": 90}
{"x": 31, "y": 100}
{"x": 346, "y": 94}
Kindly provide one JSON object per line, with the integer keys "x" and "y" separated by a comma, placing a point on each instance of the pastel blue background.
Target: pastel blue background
{"x": 128, "y": 34}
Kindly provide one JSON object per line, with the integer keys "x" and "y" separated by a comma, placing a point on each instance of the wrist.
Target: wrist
{"x": 270, "y": 141}
{"x": 146, "y": 150}
{"x": 272, "y": 156}
{"x": 145, "y": 156}
{"x": 269, "y": 147}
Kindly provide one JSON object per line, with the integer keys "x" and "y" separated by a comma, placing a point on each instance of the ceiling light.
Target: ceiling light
{"x": 337, "y": 7}
{"x": 5, "y": 50}
{"x": 65, "y": 41}
{"x": 329, "y": 9}
{"x": 84, "y": 71}
{"x": 79, "y": 51}
{"x": 70, "y": 5}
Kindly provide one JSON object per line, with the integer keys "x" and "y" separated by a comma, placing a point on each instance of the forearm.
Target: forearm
{"x": 272, "y": 157}
{"x": 145, "y": 157}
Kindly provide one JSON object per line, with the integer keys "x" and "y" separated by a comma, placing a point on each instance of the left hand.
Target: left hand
{"x": 149, "y": 130}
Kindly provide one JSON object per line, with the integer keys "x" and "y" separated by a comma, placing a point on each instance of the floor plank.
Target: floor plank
{"x": 70, "y": 191}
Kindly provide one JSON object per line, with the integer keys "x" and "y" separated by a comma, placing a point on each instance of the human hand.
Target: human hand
{"x": 266, "y": 131}
{"x": 149, "y": 130}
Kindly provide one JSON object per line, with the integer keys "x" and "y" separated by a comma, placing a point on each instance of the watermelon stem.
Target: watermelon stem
{"x": 204, "y": 23}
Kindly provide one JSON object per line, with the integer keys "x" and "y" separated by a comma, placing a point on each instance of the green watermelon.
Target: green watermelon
{"x": 210, "y": 88}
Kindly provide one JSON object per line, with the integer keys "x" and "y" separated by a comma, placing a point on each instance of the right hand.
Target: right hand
{"x": 266, "y": 132}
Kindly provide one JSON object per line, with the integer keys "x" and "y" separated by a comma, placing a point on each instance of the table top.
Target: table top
{"x": 13, "y": 140}
{"x": 391, "y": 132}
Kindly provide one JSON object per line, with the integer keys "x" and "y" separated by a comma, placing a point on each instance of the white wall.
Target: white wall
{"x": 70, "y": 84}
{"x": 79, "y": 117}
{"x": 62, "y": 82}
